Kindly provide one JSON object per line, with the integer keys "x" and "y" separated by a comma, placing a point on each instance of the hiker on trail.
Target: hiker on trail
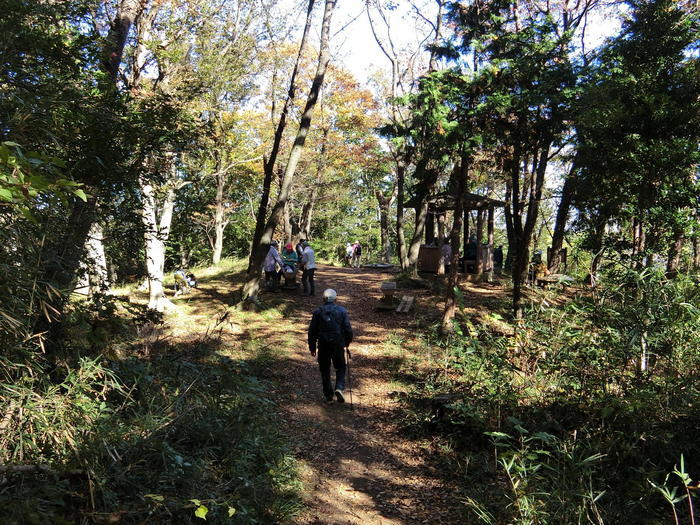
{"x": 308, "y": 260}
{"x": 272, "y": 260}
{"x": 356, "y": 254}
{"x": 349, "y": 248}
{"x": 330, "y": 330}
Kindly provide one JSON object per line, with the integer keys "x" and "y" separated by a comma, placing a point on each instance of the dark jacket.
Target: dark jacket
{"x": 317, "y": 326}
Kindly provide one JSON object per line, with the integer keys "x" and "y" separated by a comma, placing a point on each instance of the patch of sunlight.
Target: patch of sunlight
{"x": 271, "y": 314}
{"x": 228, "y": 265}
{"x": 288, "y": 340}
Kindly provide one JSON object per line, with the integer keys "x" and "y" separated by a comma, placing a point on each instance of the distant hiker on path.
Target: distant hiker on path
{"x": 330, "y": 329}
{"x": 349, "y": 248}
{"x": 308, "y": 261}
{"x": 356, "y": 254}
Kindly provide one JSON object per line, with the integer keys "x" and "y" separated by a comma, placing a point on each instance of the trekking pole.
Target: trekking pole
{"x": 347, "y": 351}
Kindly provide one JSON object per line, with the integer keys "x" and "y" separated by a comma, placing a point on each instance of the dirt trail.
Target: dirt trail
{"x": 360, "y": 467}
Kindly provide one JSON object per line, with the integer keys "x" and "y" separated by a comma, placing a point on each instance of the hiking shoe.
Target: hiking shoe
{"x": 339, "y": 396}
{"x": 329, "y": 399}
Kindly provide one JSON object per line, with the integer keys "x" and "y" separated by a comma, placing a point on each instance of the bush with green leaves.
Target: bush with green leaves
{"x": 577, "y": 426}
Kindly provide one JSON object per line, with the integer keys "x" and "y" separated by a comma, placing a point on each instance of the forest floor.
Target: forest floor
{"x": 357, "y": 463}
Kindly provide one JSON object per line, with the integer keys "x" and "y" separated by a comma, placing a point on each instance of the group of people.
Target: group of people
{"x": 287, "y": 264}
{"x": 330, "y": 332}
{"x": 353, "y": 254}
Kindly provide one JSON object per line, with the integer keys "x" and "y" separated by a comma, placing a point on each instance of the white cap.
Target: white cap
{"x": 329, "y": 295}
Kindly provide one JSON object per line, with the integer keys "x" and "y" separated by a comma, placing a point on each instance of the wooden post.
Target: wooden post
{"x": 465, "y": 240}
{"x": 430, "y": 228}
{"x": 489, "y": 229}
{"x": 440, "y": 242}
{"x": 479, "y": 240}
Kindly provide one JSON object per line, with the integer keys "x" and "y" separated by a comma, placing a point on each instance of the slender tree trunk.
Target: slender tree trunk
{"x": 414, "y": 248}
{"x": 127, "y": 14}
{"x": 638, "y": 243}
{"x": 252, "y": 285}
{"x": 428, "y": 179}
{"x": 61, "y": 270}
{"x": 287, "y": 222}
{"x": 271, "y": 161}
{"x": 184, "y": 254}
{"x": 674, "y": 253}
{"x": 400, "y": 234}
{"x": 220, "y": 221}
{"x": 97, "y": 262}
{"x": 696, "y": 243}
{"x": 451, "y": 299}
{"x": 523, "y": 233}
{"x": 567, "y": 192}
{"x": 384, "y": 202}
{"x": 441, "y": 242}
{"x": 510, "y": 230}
{"x": 308, "y": 208}
{"x": 307, "y": 213}
{"x": 156, "y": 233}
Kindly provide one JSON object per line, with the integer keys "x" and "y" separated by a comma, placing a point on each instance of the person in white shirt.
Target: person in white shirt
{"x": 272, "y": 259}
{"x": 308, "y": 260}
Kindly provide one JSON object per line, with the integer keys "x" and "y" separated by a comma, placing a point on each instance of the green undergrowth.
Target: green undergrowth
{"x": 128, "y": 426}
{"x": 558, "y": 424}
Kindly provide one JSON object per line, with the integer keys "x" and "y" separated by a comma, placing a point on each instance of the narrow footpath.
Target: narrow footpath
{"x": 359, "y": 466}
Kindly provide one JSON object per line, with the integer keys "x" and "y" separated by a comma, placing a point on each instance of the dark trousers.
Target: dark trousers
{"x": 271, "y": 281}
{"x": 326, "y": 355}
{"x": 307, "y": 279}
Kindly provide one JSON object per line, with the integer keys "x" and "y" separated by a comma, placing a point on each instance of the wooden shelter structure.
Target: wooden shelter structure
{"x": 477, "y": 253}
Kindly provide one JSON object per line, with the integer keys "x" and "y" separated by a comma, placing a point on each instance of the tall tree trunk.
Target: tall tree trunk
{"x": 414, "y": 248}
{"x": 451, "y": 299}
{"x": 441, "y": 243}
{"x": 252, "y": 285}
{"x": 184, "y": 253}
{"x": 384, "y": 202}
{"x": 567, "y": 192}
{"x": 287, "y": 222}
{"x": 523, "y": 232}
{"x": 696, "y": 243}
{"x": 308, "y": 208}
{"x": 307, "y": 213}
{"x": 674, "y": 253}
{"x": 427, "y": 178}
{"x": 62, "y": 269}
{"x": 638, "y": 243}
{"x": 127, "y": 14}
{"x": 510, "y": 230}
{"x": 220, "y": 220}
{"x": 98, "y": 278}
{"x": 270, "y": 163}
{"x": 156, "y": 233}
{"x": 400, "y": 234}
